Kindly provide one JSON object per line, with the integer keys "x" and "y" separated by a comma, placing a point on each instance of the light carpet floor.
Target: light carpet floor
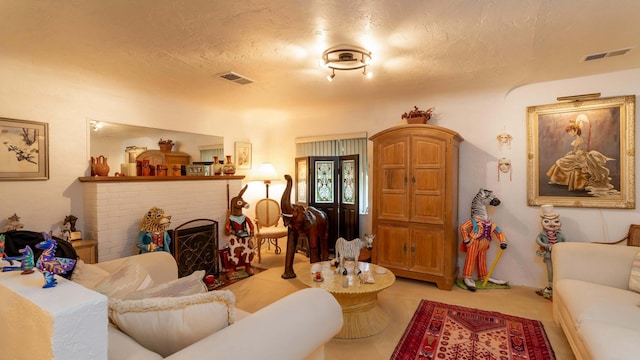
{"x": 400, "y": 301}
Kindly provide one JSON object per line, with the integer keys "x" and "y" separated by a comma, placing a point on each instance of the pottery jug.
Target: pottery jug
{"x": 99, "y": 166}
{"x": 229, "y": 168}
{"x": 217, "y": 166}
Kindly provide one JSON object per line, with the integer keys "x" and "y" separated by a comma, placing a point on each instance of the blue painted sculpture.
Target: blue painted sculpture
{"x": 48, "y": 264}
{"x": 26, "y": 262}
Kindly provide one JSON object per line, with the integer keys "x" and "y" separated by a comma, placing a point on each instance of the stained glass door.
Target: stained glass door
{"x": 330, "y": 183}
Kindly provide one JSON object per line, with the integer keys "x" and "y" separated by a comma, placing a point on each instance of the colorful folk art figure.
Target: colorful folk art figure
{"x": 546, "y": 239}
{"x": 2, "y": 254}
{"x": 241, "y": 228}
{"x": 27, "y": 262}
{"x": 153, "y": 235}
{"x": 48, "y": 264}
{"x": 476, "y": 236}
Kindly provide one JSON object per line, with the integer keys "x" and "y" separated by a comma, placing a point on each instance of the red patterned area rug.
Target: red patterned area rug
{"x": 442, "y": 331}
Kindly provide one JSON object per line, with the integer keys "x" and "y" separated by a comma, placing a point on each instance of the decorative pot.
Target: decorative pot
{"x": 165, "y": 145}
{"x": 99, "y": 166}
{"x": 228, "y": 168}
{"x": 217, "y": 166}
{"x": 418, "y": 120}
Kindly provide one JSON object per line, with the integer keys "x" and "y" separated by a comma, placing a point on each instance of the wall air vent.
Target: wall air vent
{"x": 236, "y": 78}
{"x": 606, "y": 54}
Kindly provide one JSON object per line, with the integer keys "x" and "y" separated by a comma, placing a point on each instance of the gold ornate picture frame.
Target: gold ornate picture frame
{"x": 582, "y": 153}
{"x": 24, "y": 150}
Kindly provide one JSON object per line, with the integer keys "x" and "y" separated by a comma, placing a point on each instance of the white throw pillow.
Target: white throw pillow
{"x": 128, "y": 277}
{"x": 169, "y": 324}
{"x": 88, "y": 275}
{"x": 634, "y": 278}
{"x": 183, "y": 286}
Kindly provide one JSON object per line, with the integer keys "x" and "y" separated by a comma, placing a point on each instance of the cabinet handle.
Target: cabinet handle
{"x": 405, "y": 180}
{"x": 404, "y": 248}
{"x": 413, "y": 249}
{"x": 413, "y": 179}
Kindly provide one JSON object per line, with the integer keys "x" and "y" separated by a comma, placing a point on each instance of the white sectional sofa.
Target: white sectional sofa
{"x": 592, "y": 303}
{"x": 295, "y": 327}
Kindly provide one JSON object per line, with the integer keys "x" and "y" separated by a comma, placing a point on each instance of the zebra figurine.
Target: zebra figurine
{"x": 476, "y": 235}
{"x": 350, "y": 250}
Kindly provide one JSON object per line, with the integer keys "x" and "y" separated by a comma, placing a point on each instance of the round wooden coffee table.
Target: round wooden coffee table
{"x": 361, "y": 313}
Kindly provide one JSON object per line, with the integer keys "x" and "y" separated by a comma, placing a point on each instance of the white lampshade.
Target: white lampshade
{"x": 265, "y": 172}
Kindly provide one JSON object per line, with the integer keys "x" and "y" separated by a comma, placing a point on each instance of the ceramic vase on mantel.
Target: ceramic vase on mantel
{"x": 99, "y": 166}
{"x": 229, "y": 168}
{"x": 217, "y": 166}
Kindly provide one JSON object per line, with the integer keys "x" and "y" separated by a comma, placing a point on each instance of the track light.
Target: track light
{"x": 330, "y": 77}
{"x": 346, "y": 57}
{"x": 366, "y": 73}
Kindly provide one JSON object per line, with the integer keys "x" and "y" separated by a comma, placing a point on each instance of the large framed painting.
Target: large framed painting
{"x": 582, "y": 153}
{"x": 24, "y": 150}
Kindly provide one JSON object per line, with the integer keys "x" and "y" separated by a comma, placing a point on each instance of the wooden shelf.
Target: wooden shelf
{"x": 156, "y": 178}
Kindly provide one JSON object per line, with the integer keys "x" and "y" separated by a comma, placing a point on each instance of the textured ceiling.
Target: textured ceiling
{"x": 419, "y": 46}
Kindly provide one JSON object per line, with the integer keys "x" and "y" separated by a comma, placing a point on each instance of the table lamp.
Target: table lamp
{"x": 266, "y": 172}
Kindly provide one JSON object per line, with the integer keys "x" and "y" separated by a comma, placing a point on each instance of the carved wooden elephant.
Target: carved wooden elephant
{"x": 309, "y": 221}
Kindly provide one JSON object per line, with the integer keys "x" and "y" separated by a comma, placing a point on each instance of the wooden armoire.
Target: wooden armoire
{"x": 415, "y": 202}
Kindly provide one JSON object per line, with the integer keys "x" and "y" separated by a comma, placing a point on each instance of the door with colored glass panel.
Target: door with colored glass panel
{"x": 330, "y": 184}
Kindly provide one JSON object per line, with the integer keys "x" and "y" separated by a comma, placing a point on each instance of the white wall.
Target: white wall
{"x": 66, "y": 101}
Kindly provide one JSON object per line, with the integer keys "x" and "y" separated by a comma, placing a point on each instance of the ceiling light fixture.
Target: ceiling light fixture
{"x": 95, "y": 125}
{"x": 346, "y": 57}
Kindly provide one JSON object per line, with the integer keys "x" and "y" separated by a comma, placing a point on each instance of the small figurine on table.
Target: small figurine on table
{"x": 153, "y": 234}
{"x": 549, "y": 236}
{"x": 48, "y": 264}
{"x": 27, "y": 262}
{"x": 13, "y": 223}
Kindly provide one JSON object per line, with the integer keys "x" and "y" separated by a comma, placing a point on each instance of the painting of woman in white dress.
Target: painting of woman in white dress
{"x": 582, "y": 168}
{"x": 590, "y": 167}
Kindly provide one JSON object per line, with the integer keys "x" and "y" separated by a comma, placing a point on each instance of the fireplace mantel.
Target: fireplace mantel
{"x": 156, "y": 178}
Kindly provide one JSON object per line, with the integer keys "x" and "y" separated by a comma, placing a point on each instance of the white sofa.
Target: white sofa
{"x": 599, "y": 315}
{"x": 295, "y": 327}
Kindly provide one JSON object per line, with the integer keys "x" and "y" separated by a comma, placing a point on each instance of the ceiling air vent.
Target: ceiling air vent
{"x": 606, "y": 54}
{"x": 236, "y": 78}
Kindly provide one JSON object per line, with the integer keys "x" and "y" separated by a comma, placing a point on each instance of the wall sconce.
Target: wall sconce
{"x": 346, "y": 57}
{"x": 266, "y": 172}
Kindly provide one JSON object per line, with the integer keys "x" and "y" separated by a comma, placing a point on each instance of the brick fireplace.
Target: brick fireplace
{"x": 113, "y": 207}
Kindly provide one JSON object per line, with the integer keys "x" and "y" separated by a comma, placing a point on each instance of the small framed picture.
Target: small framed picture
{"x": 25, "y": 150}
{"x": 243, "y": 155}
{"x": 195, "y": 170}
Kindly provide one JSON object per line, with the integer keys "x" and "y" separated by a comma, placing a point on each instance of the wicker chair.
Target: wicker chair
{"x": 268, "y": 226}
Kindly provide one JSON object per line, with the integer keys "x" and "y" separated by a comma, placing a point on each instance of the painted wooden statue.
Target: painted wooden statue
{"x": 546, "y": 239}
{"x": 240, "y": 227}
{"x": 476, "y": 236}
{"x": 153, "y": 235}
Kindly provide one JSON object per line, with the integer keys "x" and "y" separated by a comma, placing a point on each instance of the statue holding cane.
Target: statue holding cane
{"x": 476, "y": 235}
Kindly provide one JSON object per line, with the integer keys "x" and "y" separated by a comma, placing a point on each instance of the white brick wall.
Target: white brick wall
{"x": 113, "y": 210}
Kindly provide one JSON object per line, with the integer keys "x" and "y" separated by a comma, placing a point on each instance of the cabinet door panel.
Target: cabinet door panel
{"x": 427, "y": 251}
{"x": 392, "y": 181}
{"x": 427, "y": 180}
{"x": 391, "y": 246}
